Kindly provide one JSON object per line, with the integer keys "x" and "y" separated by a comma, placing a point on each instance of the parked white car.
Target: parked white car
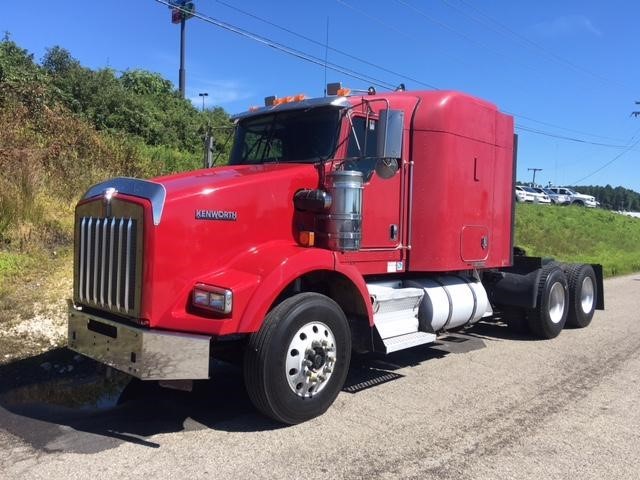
{"x": 576, "y": 197}
{"x": 538, "y": 196}
{"x": 522, "y": 195}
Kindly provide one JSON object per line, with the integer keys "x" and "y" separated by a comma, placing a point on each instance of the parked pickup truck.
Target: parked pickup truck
{"x": 556, "y": 198}
{"x": 576, "y": 198}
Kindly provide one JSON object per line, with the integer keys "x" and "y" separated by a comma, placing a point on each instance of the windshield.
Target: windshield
{"x": 304, "y": 136}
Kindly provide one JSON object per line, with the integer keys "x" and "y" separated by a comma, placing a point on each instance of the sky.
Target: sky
{"x": 568, "y": 71}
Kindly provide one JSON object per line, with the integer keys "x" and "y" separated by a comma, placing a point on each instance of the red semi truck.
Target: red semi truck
{"x": 368, "y": 222}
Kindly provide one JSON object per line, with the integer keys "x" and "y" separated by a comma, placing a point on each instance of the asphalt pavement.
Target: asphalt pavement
{"x": 487, "y": 404}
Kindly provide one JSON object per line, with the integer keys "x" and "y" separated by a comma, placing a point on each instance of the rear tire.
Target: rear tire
{"x": 550, "y": 315}
{"x": 296, "y": 364}
{"x": 583, "y": 292}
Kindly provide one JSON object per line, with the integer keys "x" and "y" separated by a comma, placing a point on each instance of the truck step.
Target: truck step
{"x": 395, "y": 309}
{"x": 408, "y": 340}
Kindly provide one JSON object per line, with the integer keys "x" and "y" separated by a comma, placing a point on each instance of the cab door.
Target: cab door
{"x": 381, "y": 203}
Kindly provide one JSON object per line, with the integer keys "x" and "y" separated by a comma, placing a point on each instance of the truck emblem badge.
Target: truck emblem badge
{"x": 216, "y": 215}
{"x": 106, "y": 201}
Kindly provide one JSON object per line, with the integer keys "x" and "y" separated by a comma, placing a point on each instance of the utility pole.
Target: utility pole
{"x": 182, "y": 48}
{"x": 208, "y": 149}
{"x": 203, "y": 94}
{"x": 181, "y": 11}
{"x": 533, "y": 182}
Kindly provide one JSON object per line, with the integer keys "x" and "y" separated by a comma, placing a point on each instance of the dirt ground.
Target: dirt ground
{"x": 33, "y": 310}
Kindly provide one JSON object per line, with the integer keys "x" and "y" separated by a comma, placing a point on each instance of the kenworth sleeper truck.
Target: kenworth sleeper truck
{"x": 368, "y": 222}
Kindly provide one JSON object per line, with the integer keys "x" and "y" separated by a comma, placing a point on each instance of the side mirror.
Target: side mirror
{"x": 390, "y": 127}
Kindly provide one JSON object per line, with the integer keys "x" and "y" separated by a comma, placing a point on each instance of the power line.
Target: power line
{"x": 323, "y": 45}
{"x": 490, "y": 21}
{"x": 608, "y": 163}
{"x": 448, "y": 27}
{"x": 382, "y": 22}
{"x": 283, "y": 48}
{"x": 349, "y": 72}
{"x": 404, "y": 33}
{"x": 570, "y": 139}
{"x": 562, "y": 128}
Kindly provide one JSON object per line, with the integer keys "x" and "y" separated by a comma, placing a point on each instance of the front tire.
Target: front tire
{"x": 296, "y": 364}
{"x": 582, "y": 295}
{"x": 550, "y": 315}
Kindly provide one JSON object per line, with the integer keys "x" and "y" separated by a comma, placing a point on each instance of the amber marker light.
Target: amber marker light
{"x": 307, "y": 238}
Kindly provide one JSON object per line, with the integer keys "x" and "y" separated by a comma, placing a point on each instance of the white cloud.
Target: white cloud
{"x": 566, "y": 26}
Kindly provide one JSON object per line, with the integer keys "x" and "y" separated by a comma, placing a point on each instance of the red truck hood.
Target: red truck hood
{"x": 208, "y": 181}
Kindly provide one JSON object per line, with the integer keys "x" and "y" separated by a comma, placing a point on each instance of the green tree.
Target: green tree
{"x": 142, "y": 82}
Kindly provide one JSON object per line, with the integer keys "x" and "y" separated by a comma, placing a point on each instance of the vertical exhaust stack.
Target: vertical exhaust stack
{"x": 341, "y": 228}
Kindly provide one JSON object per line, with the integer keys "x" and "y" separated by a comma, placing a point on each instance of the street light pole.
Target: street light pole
{"x": 203, "y": 94}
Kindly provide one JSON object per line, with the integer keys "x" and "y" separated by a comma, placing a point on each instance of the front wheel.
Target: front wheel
{"x": 296, "y": 364}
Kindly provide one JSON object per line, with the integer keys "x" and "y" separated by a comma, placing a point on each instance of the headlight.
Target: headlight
{"x": 212, "y": 298}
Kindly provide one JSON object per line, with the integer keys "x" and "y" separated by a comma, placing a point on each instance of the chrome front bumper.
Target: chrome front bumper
{"x": 145, "y": 354}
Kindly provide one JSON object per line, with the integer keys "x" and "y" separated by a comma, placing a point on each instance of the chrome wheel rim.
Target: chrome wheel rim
{"x": 311, "y": 358}
{"x": 556, "y": 302}
{"x": 587, "y": 295}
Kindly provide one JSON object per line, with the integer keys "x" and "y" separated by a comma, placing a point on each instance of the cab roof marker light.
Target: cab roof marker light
{"x": 274, "y": 101}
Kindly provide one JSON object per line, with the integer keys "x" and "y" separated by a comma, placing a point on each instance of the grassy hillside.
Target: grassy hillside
{"x": 575, "y": 234}
{"x": 64, "y": 127}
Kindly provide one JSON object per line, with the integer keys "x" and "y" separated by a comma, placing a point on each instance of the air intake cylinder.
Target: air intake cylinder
{"x": 341, "y": 228}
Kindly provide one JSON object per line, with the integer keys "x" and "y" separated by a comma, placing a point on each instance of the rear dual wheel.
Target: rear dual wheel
{"x": 582, "y": 294}
{"x": 552, "y": 307}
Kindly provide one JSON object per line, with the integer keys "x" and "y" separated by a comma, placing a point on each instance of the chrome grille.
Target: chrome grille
{"x": 107, "y": 267}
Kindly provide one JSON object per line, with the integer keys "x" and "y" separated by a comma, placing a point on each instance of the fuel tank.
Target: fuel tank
{"x": 450, "y": 301}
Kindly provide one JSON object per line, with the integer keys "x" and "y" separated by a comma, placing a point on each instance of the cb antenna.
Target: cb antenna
{"x": 326, "y": 55}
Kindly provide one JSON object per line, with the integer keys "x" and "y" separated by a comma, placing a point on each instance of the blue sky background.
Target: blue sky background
{"x": 567, "y": 69}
